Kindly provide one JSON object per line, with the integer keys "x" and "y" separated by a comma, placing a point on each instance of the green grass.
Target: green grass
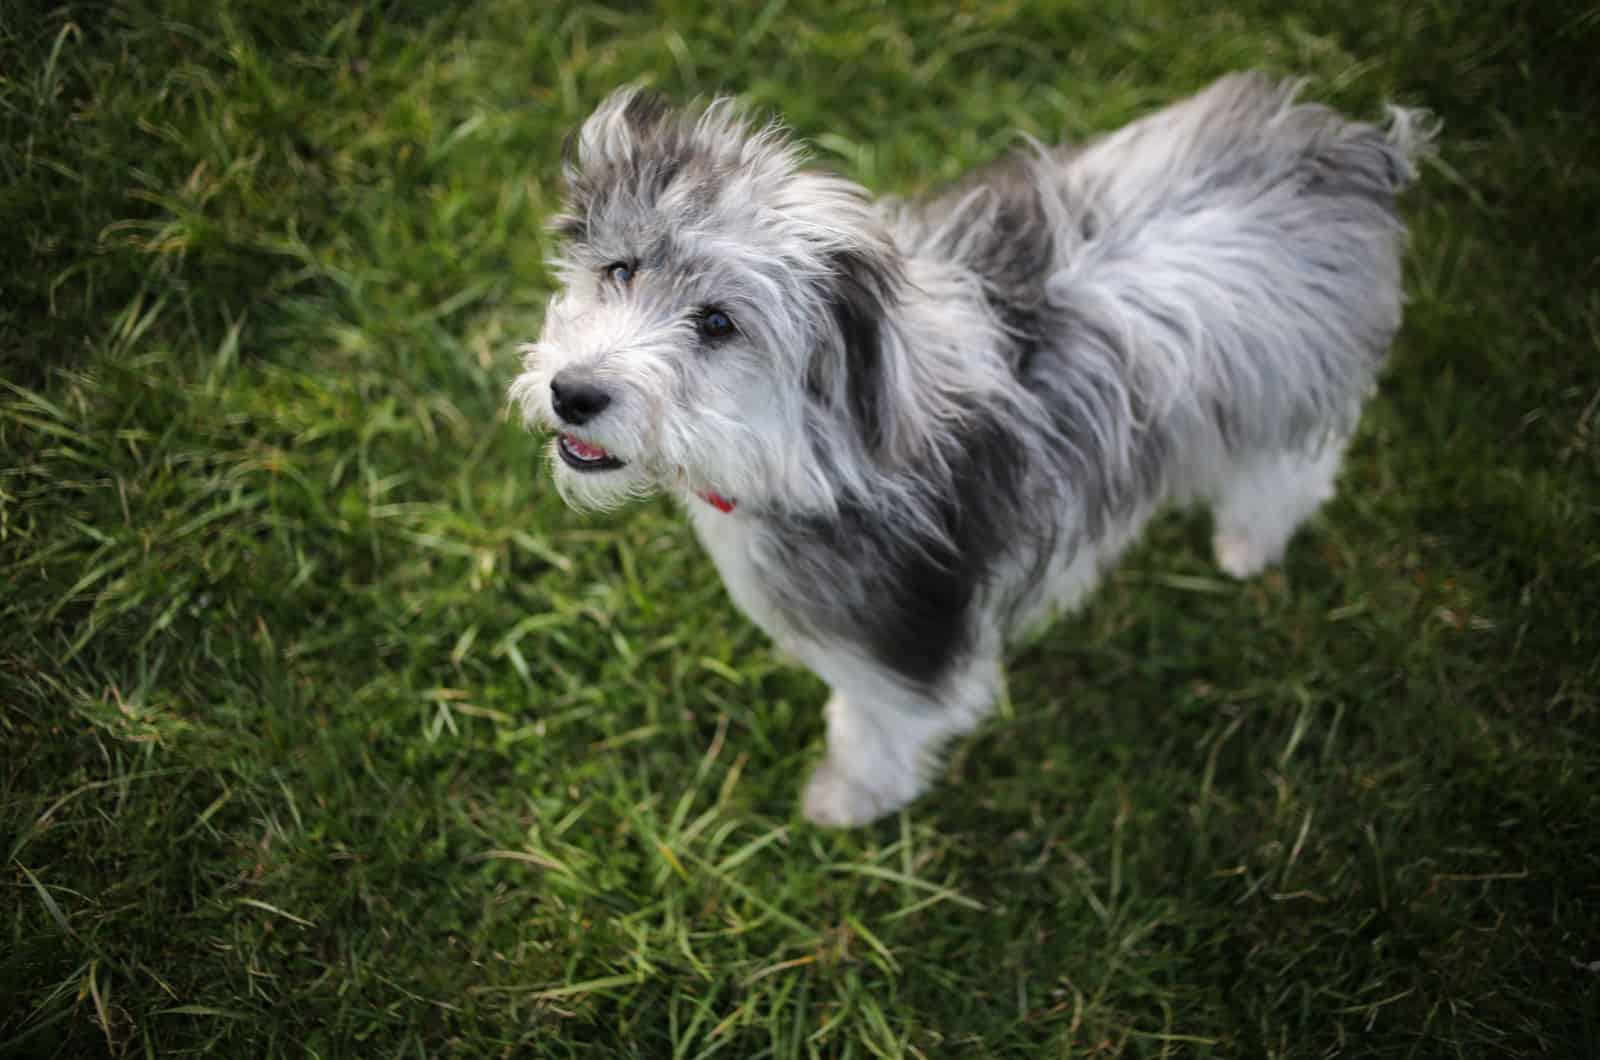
{"x": 326, "y": 731}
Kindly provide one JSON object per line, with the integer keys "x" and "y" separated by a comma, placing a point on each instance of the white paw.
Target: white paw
{"x": 833, "y": 800}
{"x": 1238, "y": 556}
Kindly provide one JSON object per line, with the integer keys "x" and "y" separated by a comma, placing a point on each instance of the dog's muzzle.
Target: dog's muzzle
{"x": 576, "y": 402}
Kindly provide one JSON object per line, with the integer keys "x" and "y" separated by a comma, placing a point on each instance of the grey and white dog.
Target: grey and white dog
{"x": 909, "y": 432}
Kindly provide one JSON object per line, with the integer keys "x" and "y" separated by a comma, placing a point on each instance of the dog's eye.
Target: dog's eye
{"x": 620, "y": 273}
{"x": 715, "y": 324}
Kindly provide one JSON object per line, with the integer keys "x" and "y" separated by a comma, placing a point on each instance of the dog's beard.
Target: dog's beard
{"x": 594, "y": 470}
{"x": 690, "y": 455}
{"x": 601, "y": 489}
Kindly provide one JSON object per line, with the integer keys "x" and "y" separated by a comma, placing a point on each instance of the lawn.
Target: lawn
{"x": 326, "y": 730}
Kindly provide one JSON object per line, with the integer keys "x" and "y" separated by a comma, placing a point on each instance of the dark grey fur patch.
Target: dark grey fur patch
{"x": 1006, "y": 240}
{"x": 863, "y": 290}
{"x": 909, "y": 599}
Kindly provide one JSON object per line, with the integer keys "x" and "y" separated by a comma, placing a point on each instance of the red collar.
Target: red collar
{"x": 716, "y": 500}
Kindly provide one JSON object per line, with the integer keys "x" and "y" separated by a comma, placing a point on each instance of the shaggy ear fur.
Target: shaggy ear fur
{"x": 855, "y": 369}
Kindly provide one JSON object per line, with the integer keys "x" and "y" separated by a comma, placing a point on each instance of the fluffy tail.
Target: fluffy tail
{"x": 1411, "y": 135}
{"x": 1362, "y": 158}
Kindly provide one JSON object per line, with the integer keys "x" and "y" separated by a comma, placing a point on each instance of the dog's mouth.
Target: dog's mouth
{"x": 581, "y": 456}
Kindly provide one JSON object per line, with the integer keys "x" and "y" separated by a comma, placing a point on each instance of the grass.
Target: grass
{"x": 328, "y": 732}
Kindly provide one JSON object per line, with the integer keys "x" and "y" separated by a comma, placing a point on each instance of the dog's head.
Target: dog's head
{"x": 720, "y": 325}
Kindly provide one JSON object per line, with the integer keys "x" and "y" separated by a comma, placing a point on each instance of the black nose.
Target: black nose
{"x": 577, "y": 402}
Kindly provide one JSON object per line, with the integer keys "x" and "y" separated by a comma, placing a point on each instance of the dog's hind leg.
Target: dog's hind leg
{"x": 884, "y": 738}
{"x": 1264, "y": 499}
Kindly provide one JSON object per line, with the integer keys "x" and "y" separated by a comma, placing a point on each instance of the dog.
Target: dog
{"x": 908, "y": 433}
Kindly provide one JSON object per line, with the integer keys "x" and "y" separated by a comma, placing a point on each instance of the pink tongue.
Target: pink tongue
{"x": 585, "y": 450}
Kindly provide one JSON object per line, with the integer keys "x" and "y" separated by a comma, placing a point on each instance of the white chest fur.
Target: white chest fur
{"x": 731, "y": 539}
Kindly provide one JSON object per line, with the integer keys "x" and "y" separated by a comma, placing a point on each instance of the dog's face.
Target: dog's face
{"x": 719, "y": 307}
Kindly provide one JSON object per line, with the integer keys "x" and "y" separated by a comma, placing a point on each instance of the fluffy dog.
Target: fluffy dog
{"x": 908, "y": 432}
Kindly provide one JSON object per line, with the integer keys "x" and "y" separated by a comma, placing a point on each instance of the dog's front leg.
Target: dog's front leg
{"x": 885, "y": 735}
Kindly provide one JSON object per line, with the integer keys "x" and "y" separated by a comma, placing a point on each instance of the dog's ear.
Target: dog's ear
{"x": 855, "y": 370}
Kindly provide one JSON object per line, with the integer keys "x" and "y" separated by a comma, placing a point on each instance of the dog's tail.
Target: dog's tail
{"x": 1371, "y": 160}
{"x": 1344, "y": 157}
{"x": 1376, "y": 160}
{"x": 1409, "y": 136}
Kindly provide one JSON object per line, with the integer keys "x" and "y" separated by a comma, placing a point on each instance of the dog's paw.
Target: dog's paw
{"x": 833, "y": 800}
{"x": 1238, "y": 556}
